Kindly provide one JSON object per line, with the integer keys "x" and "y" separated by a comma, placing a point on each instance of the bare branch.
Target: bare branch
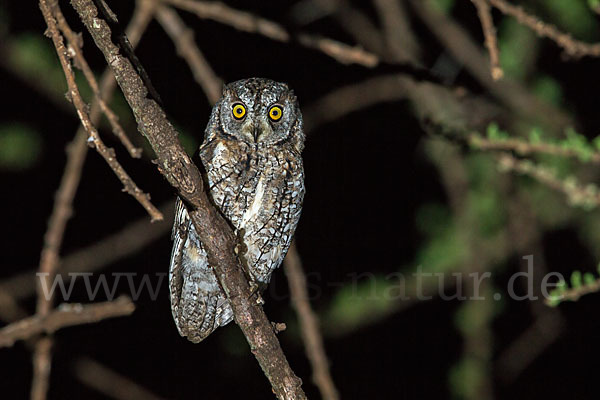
{"x": 71, "y": 177}
{"x": 74, "y": 51}
{"x": 94, "y": 138}
{"x": 42, "y": 362}
{"x": 529, "y": 345}
{"x": 518, "y": 98}
{"x": 130, "y": 239}
{"x": 248, "y": 22}
{"x": 213, "y": 230}
{"x": 109, "y": 382}
{"x": 309, "y": 325}
{"x": 65, "y": 315}
{"x": 348, "y": 99}
{"x": 400, "y": 39}
{"x": 489, "y": 32}
{"x": 183, "y": 37}
{"x": 572, "y": 47}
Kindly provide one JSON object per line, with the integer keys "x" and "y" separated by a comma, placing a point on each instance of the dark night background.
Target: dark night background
{"x": 367, "y": 178}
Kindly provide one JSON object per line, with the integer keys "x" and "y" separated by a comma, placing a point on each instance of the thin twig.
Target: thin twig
{"x": 50, "y": 252}
{"x": 572, "y": 47}
{"x": 42, "y": 362}
{"x": 351, "y": 98}
{"x": 525, "y": 148}
{"x": 67, "y": 314}
{"x": 573, "y": 293}
{"x": 183, "y": 37}
{"x": 213, "y": 230}
{"x": 586, "y": 196}
{"x": 74, "y": 50}
{"x": 529, "y": 345}
{"x": 460, "y": 45}
{"x": 489, "y": 32}
{"x": 130, "y": 239}
{"x": 94, "y": 257}
{"x": 251, "y": 23}
{"x": 309, "y": 325}
{"x": 109, "y": 382}
{"x": 76, "y": 151}
{"x": 399, "y": 37}
{"x": 94, "y": 138}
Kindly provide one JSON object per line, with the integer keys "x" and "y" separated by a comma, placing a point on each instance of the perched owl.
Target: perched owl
{"x": 254, "y": 173}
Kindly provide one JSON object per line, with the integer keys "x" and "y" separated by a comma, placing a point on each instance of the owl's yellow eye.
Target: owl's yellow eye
{"x": 239, "y": 111}
{"x": 275, "y": 113}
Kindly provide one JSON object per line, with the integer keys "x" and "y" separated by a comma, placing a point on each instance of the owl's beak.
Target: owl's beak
{"x": 256, "y": 133}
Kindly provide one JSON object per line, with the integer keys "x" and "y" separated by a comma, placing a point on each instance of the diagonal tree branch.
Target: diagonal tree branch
{"x": 51, "y": 12}
{"x": 309, "y": 325}
{"x": 109, "y": 382}
{"x": 248, "y": 22}
{"x": 62, "y": 210}
{"x": 74, "y": 51}
{"x": 572, "y": 47}
{"x": 183, "y": 38}
{"x": 213, "y": 230}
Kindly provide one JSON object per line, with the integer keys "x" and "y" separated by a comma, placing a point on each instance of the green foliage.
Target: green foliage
{"x": 495, "y": 133}
{"x": 548, "y": 205}
{"x": 20, "y": 147}
{"x": 34, "y": 55}
{"x": 486, "y": 207}
{"x": 573, "y": 16}
{"x": 442, "y": 6}
{"x": 548, "y": 89}
{"x": 574, "y": 142}
{"x": 432, "y": 219}
{"x": 463, "y": 375}
{"x": 580, "y": 284}
{"x": 518, "y": 48}
{"x": 444, "y": 251}
{"x": 363, "y": 299}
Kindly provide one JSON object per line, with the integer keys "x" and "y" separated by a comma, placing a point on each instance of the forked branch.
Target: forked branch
{"x": 182, "y": 173}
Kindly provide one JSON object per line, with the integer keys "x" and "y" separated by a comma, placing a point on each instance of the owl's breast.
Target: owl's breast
{"x": 261, "y": 194}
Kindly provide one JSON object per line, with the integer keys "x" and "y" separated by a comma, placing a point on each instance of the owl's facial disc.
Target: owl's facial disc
{"x": 258, "y": 111}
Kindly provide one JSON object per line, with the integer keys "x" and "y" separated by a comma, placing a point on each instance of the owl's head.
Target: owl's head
{"x": 261, "y": 112}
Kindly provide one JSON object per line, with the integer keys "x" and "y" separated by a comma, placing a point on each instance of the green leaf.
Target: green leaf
{"x": 548, "y": 89}
{"x": 20, "y": 147}
{"x": 536, "y": 134}
{"x": 588, "y": 278}
{"x": 34, "y": 55}
{"x": 576, "y": 279}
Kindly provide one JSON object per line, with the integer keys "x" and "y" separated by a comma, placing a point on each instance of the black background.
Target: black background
{"x": 366, "y": 176}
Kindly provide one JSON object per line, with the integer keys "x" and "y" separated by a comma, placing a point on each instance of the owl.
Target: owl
{"x": 252, "y": 166}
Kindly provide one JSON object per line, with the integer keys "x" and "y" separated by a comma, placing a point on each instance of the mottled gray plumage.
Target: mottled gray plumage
{"x": 255, "y": 178}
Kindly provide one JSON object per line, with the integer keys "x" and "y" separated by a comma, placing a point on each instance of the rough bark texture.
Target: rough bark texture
{"x": 180, "y": 171}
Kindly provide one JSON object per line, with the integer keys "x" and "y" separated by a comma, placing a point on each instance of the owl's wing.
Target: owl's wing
{"x": 198, "y": 304}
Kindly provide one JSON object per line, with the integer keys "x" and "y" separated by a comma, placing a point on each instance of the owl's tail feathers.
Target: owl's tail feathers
{"x": 199, "y": 314}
